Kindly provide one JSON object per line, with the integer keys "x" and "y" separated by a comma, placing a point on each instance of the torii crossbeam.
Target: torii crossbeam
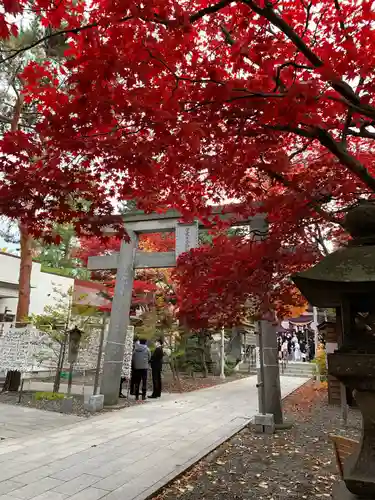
{"x": 130, "y": 258}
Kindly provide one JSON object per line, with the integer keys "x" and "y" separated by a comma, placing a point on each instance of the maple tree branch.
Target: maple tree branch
{"x": 336, "y": 148}
{"x": 341, "y": 22}
{"x": 209, "y": 10}
{"x": 113, "y": 131}
{"x": 308, "y": 11}
{"x": 5, "y": 119}
{"x": 362, "y": 109}
{"x": 320, "y": 240}
{"x": 276, "y": 176}
{"x": 228, "y": 37}
{"x": 72, "y": 31}
{"x": 349, "y": 117}
{"x": 300, "y": 150}
{"x": 278, "y": 80}
{"x": 254, "y": 95}
{"x": 365, "y": 134}
{"x": 339, "y": 150}
{"x": 276, "y": 20}
{"x": 156, "y": 19}
{"x": 310, "y": 134}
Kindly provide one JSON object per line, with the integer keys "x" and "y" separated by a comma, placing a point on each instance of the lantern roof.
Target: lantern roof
{"x": 349, "y": 270}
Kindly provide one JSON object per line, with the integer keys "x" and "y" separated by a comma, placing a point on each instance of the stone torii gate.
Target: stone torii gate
{"x": 130, "y": 258}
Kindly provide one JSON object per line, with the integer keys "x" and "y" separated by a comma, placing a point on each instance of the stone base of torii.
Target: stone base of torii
{"x": 130, "y": 258}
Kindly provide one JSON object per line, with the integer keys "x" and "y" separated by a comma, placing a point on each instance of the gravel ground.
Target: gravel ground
{"x": 186, "y": 383}
{"x": 294, "y": 464}
{"x": 43, "y": 404}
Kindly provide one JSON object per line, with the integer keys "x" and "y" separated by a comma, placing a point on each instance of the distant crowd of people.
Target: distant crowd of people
{"x": 295, "y": 347}
{"x": 142, "y": 359}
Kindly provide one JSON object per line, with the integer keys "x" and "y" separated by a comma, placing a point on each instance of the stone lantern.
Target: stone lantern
{"x": 346, "y": 279}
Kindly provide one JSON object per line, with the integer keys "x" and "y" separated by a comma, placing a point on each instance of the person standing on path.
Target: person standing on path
{"x": 140, "y": 361}
{"x": 156, "y": 367}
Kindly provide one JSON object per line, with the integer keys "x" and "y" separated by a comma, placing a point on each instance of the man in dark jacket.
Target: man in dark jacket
{"x": 141, "y": 359}
{"x": 156, "y": 367}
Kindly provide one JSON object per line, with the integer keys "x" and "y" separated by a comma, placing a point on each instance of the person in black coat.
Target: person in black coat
{"x": 156, "y": 368}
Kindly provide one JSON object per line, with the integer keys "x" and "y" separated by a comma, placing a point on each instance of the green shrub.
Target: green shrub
{"x": 48, "y": 396}
{"x": 229, "y": 368}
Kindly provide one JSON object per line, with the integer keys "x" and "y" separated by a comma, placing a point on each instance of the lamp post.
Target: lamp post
{"x": 345, "y": 279}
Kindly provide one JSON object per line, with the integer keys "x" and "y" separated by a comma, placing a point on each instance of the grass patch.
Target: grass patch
{"x": 49, "y": 396}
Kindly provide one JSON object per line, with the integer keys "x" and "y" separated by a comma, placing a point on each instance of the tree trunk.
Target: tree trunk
{"x": 60, "y": 365}
{"x": 25, "y": 240}
{"x": 25, "y": 274}
{"x": 204, "y": 364}
{"x": 202, "y": 342}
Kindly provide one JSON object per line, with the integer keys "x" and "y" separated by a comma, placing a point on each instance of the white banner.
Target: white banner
{"x": 186, "y": 237}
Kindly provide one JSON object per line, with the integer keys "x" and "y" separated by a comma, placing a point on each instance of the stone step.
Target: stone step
{"x": 292, "y": 369}
{"x": 306, "y": 367}
{"x": 297, "y": 370}
{"x": 297, "y": 375}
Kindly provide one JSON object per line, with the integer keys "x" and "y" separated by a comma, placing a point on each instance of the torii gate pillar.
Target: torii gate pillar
{"x": 119, "y": 322}
{"x": 128, "y": 259}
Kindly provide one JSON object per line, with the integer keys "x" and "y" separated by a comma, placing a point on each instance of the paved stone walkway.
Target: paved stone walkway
{"x": 18, "y": 421}
{"x": 128, "y": 454}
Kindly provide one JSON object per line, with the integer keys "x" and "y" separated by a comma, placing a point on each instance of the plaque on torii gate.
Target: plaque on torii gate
{"x": 125, "y": 262}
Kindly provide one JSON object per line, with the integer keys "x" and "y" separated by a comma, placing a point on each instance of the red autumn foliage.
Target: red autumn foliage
{"x": 177, "y": 103}
{"x": 215, "y": 282}
{"x": 143, "y": 294}
{"x": 144, "y": 287}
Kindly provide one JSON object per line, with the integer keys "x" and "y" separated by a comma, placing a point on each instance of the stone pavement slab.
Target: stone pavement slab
{"x": 128, "y": 454}
{"x": 16, "y": 421}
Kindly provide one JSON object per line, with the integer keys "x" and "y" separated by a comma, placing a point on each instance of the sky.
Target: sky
{"x": 11, "y": 247}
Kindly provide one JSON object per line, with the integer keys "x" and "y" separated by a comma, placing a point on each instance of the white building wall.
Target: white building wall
{"x": 44, "y": 294}
{"x": 9, "y": 268}
{"x": 8, "y": 304}
{"x": 42, "y": 285}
